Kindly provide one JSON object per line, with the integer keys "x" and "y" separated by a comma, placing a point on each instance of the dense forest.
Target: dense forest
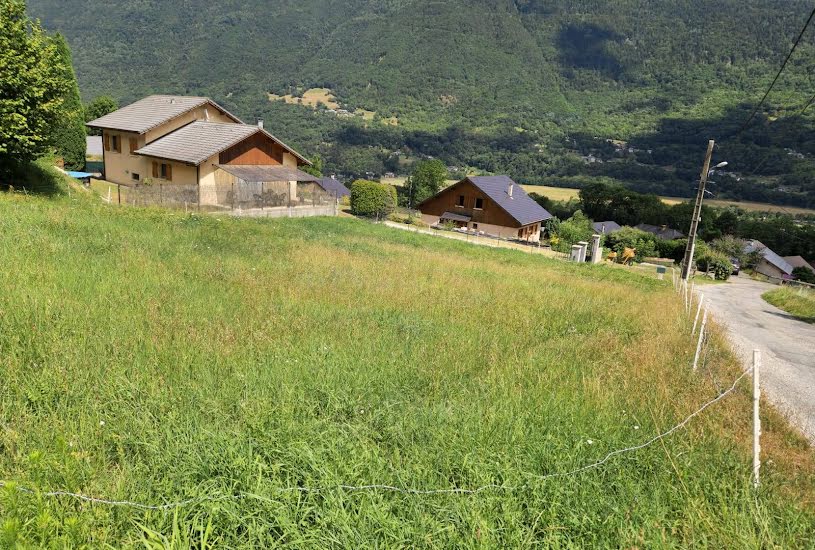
{"x": 549, "y": 91}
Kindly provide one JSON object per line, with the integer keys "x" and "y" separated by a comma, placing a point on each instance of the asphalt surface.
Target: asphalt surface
{"x": 787, "y": 346}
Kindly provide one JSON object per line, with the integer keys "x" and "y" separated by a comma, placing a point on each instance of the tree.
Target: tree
{"x": 371, "y": 198}
{"x": 576, "y": 229}
{"x": 99, "y": 107}
{"x": 427, "y": 179}
{"x": 68, "y": 135}
{"x": 316, "y": 168}
{"x": 32, "y": 87}
{"x": 804, "y": 275}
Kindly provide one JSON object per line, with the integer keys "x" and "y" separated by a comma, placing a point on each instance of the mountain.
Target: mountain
{"x": 550, "y": 91}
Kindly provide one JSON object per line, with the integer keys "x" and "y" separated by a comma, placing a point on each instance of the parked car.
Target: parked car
{"x": 736, "y": 266}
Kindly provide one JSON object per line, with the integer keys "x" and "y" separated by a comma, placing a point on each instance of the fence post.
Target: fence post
{"x": 698, "y": 311}
{"x": 701, "y": 339}
{"x": 119, "y": 193}
{"x": 262, "y": 199}
{"x": 233, "y": 194}
{"x": 756, "y": 418}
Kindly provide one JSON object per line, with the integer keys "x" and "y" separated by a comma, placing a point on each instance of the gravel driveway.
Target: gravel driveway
{"x": 787, "y": 345}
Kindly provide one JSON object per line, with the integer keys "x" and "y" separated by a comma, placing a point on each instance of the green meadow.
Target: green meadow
{"x": 800, "y": 302}
{"x": 258, "y": 368}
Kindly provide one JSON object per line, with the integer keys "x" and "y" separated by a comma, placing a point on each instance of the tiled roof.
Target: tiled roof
{"x": 334, "y": 186}
{"x": 522, "y": 208}
{"x": 798, "y": 261}
{"x": 152, "y": 111}
{"x": 197, "y": 141}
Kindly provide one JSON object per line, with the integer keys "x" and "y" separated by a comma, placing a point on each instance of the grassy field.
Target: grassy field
{"x": 800, "y": 301}
{"x": 254, "y": 366}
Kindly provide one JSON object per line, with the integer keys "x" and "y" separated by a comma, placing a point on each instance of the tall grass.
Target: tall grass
{"x": 150, "y": 355}
{"x": 800, "y": 302}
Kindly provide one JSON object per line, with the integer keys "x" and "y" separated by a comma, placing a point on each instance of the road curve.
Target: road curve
{"x": 787, "y": 346}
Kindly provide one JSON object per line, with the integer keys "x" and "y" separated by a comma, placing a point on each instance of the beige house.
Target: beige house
{"x": 191, "y": 141}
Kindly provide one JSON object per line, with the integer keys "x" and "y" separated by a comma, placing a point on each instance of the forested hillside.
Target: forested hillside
{"x": 534, "y": 88}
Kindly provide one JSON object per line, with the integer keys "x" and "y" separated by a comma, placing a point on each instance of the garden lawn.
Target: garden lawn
{"x": 254, "y": 366}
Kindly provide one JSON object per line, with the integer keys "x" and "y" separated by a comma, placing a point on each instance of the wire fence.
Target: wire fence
{"x": 382, "y": 487}
{"x": 239, "y": 197}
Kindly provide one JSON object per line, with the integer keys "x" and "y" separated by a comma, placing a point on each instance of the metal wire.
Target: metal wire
{"x": 381, "y": 487}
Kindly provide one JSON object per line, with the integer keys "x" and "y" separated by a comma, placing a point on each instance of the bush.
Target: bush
{"x": 575, "y": 229}
{"x": 804, "y": 275}
{"x": 371, "y": 198}
{"x": 716, "y": 263}
{"x": 674, "y": 250}
{"x": 642, "y": 242}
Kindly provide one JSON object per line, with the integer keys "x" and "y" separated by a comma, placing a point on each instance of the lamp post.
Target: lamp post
{"x": 697, "y": 211}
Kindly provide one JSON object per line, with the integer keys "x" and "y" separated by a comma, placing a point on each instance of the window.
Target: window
{"x": 134, "y": 144}
{"x": 135, "y": 177}
{"x": 475, "y": 226}
{"x": 115, "y": 144}
{"x": 479, "y": 204}
{"x": 460, "y": 201}
{"x": 163, "y": 171}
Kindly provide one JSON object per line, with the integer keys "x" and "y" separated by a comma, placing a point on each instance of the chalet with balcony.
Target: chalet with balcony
{"x": 492, "y": 205}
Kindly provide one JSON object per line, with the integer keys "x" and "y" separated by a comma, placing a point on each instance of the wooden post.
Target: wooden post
{"x": 698, "y": 311}
{"x": 756, "y": 418}
{"x": 701, "y": 338}
{"x": 119, "y": 193}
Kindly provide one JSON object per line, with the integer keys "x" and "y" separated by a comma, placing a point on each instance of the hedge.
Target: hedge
{"x": 371, "y": 198}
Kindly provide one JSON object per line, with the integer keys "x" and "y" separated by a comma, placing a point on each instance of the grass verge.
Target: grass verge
{"x": 799, "y": 302}
{"x": 150, "y": 355}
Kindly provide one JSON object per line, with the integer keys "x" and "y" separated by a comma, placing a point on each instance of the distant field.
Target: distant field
{"x": 310, "y": 98}
{"x": 261, "y": 367}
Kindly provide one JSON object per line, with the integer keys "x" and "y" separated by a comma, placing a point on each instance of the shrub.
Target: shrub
{"x": 575, "y": 229}
{"x": 716, "y": 263}
{"x": 642, "y": 242}
{"x": 804, "y": 275}
{"x": 371, "y": 198}
{"x": 674, "y": 249}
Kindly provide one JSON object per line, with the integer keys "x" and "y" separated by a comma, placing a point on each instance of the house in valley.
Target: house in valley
{"x": 798, "y": 261}
{"x": 770, "y": 263}
{"x": 604, "y": 228}
{"x": 192, "y": 142}
{"x": 661, "y": 231}
{"x": 493, "y": 205}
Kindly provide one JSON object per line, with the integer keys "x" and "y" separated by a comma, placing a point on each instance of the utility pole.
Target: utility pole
{"x": 697, "y": 213}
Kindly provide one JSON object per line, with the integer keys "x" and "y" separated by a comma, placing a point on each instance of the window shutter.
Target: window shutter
{"x": 155, "y": 169}
{"x": 169, "y": 172}
{"x": 107, "y": 142}
{"x": 133, "y": 145}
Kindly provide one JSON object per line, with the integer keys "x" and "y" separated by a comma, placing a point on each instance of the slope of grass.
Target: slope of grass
{"x": 799, "y": 302}
{"x": 157, "y": 357}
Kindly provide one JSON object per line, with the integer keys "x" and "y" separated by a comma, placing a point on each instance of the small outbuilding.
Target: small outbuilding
{"x": 770, "y": 264}
{"x": 604, "y": 228}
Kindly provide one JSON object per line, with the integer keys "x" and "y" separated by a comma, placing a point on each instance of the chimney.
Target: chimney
{"x": 260, "y": 123}
{"x": 509, "y": 190}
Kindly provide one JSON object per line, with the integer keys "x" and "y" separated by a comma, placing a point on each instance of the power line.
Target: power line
{"x": 778, "y": 75}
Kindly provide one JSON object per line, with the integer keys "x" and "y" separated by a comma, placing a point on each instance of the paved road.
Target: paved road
{"x": 787, "y": 345}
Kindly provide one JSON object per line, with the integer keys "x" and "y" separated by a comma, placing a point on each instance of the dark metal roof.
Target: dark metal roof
{"x": 452, "y": 216}
{"x": 604, "y": 228}
{"x": 153, "y": 111}
{"x": 264, "y": 173}
{"x": 770, "y": 256}
{"x": 663, "y": 232}
{"x": 334, "y": 186}
{"x": 520, "y": 206}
